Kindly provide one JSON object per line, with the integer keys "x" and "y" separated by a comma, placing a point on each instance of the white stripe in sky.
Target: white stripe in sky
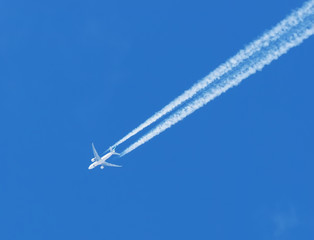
{"x": 289, "y": 33}
{"x": 275, "y": 33}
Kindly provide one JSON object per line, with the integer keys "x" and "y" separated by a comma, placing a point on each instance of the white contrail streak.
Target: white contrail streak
{"x": 266, "y": 39}
{"x": 254, "y": 63}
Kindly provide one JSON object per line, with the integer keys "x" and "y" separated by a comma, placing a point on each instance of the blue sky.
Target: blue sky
{"x": 77, "y": 72}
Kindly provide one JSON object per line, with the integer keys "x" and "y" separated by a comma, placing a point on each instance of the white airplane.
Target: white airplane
{"x": 101, "y": 161}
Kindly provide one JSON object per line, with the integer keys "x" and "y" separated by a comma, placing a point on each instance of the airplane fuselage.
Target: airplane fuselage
{"x": 102, "y": 160}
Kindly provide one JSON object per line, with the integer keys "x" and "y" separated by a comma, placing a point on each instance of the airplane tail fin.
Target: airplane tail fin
{"x": 113, "y": 150}
{"x": 97, "y": 158}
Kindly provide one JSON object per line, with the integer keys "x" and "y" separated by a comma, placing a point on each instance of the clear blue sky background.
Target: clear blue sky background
{"x": 77, "y": 72}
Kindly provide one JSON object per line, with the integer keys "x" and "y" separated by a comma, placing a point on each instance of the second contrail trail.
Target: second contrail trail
{"x": 261, "y": 57}
{"x": 294, "y": 19}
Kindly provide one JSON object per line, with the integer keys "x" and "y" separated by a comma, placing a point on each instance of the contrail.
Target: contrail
{"x": 294, "y": 19}
{"x": 257, "y": 61}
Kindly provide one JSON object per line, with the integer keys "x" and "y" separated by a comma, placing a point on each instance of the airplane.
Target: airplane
{"x": 101, "y": 161}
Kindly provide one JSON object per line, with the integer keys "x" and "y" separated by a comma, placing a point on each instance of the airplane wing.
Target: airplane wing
{"x": 111, "y": 165}
{"x": 97, "y": 158}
